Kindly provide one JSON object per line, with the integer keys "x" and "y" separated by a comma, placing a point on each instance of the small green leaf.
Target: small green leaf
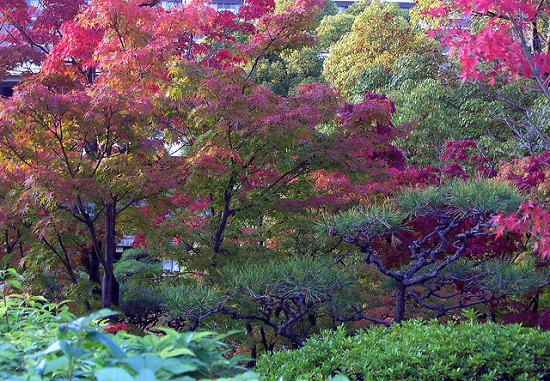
{"x": 15, "y": 283}
{"x": 113, "y": 374}
{"x": 147, "y": 361}
{"x": 54, "y": 347}
{"x": 174, "y": 352}
{"x": 146, "y": 375}
{"x": 55, "y": 364}
{"x": 108, "y": 342}
{"x": 178, "y": 367}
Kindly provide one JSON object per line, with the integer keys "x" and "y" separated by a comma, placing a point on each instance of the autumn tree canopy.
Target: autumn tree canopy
{"x": 159, "y": 123}
{"x": 27, "y": 33}
{"x": 88, "y": 137}
{"x": 505, "y": 42}
{"x": 500, "y": 41}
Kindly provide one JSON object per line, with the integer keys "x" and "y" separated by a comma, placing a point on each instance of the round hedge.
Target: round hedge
{"x": 418, "y": 350}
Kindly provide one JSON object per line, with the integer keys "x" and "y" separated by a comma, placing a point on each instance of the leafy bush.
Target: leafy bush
{"x": 417, "y": 350}
{"x": 138, "y": 274}
{"x": 40, "y": 340}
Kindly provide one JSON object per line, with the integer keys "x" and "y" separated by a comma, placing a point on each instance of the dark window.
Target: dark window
{"x": 6, "y": 91}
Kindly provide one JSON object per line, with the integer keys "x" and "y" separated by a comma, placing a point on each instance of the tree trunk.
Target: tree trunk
{"x": 218, "y": 235}
{"x": 94, "y": 266}
{"x": 110, "y": 288}
{"x": 399, "y": 302}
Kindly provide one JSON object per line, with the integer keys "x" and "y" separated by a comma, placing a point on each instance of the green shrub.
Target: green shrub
{"x": 417, "y": 350}
{"x": 138, "y": 275}
{"x": 40, "y": 340}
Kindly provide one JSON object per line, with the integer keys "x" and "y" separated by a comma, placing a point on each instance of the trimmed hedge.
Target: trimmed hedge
{"x": 418, "y": 350}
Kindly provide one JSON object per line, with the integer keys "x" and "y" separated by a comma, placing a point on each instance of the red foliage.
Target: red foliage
{"x": 458, "y": 150}
{"x": 113, "y": 327}
{"x": 254, "y": 9}
{"x": 27, "y": 33}
{"x": 529, "y": 318}
{"x": 525, "y": 313}
{"x": 530, "y": 174}
{"x": 498, "y": 49}
{"x": 531, "y": 219}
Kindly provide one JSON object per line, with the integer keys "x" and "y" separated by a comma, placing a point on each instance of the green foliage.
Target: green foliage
{"x": 440, "y": 108}
{"x": 283, "y": 295}
{"x": 136, "y": 262}
{"x": 472, "y": 315}
{"x": 284, "y": 72}
{"x": 512, "y": 278}
{"x": 377, "y": 219}
{"x": 138, "y": 273}
{"x": 358, "y": 7}
{"x": 536, "y": 121}
{"x": 330, "y": 9}
{"x": 40, "y": 340}
{"x": 29, "y": 325}
{"x": 189, "y": 298}
{"x": 466, "y": 196}
{"x": 483, "y": 196}
{"x": 26, "y": 321}
{"x": 502, "y": 276}
{"x": 415, "y": 67}
{"x": 413, "y": 201}
{"x": 315, "y": 280}
{"x": 424, "y": 84}
{"x": 10, "y": 278}
{"x": 372, "y": 79}
{"x": 419, "y": 15}
{"x": 380, "y": 37}
{"x": 425, "y": 105}
{"x": 333, "y": 27}
{"x": 401, "y": 77}
{"x": 418, "y": 350}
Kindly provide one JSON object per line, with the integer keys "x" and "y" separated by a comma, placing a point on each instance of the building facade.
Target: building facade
{"x": 233, "y": 5}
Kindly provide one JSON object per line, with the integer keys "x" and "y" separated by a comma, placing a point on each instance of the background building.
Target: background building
{"x": 233, "y": 5}
{"x": 6, "y": 86}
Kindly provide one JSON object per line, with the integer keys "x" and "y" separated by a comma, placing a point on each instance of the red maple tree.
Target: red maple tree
{"x": 508, "y": 43}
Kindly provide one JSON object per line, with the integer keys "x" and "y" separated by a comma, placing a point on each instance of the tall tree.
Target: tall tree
{"x": 284, "y": 71}
{"x": 87, "y": 144}
{"x": 432, "y": 230}
{"x": 508, "y": 43}
{"x": 89, "y": 133}
{"x": 255, "y": 186}
{"x": 380, "y": 36}
{"x": 82, "y": 153}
